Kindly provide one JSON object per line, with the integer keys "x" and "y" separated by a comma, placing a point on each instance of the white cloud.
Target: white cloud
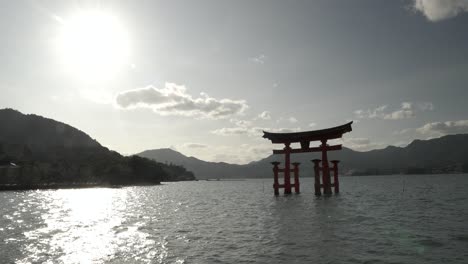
{"x": 292, "y": 120}
{"x": 243, "y": 154}
{"x": 251, "y": 131}
{"x": 436, "y": 10}
{"x": 194, "y": 145}
{"x": 375, "y": 113}
{"x": 229, "y": 131}
{"x": 241, "y": 123}
{"x": 425, "y": 106}
{"x": 359, "y": 141}
{"x": 404, "y": 131}
{"x": 260, "y": 59}
{"x": 406, "y": 110}
{"x": 174, "y": 100}
{"x": 361, "y": 144}
{"x": 312, "y": 124}
{"x": 444, "y": 128}
{"x": 265, "y": 115}
{"x": 282, "y": 130}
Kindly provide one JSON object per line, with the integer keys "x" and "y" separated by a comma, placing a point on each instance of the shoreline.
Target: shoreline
{"x": 14, "y": 187}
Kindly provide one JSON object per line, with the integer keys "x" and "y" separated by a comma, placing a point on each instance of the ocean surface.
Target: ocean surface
{"x": 385, "y": 219}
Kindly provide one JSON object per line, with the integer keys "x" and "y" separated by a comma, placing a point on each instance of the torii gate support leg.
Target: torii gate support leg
{"x": 336, "y": 183}
{"x": 287, "y": 169}
{"x": 275, "y": 173}
{"x": 325, "y": 169}
{"x": 316, "y": 162}
{"x": 296, "y": 176}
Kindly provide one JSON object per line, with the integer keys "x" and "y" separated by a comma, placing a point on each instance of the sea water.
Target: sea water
{"x": 375, "y": 219}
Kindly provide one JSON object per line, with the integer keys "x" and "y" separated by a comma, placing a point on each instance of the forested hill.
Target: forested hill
{"x": 39, "y": 132}
{"x": 447, "y": 154}
{"x": 37, "y": 151}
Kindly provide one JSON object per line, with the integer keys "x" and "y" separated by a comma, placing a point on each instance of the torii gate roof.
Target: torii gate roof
{"x": 307, "y": 136}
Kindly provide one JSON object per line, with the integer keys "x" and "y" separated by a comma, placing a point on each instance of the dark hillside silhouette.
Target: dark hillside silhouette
{"x": 39, "y": 152}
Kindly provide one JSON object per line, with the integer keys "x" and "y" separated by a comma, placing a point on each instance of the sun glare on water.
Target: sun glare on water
{"x": 93, "y": 45}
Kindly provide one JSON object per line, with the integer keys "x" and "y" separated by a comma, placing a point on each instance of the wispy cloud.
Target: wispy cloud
{"x": 243, "y": 154}
{"x": 265, "y": 115}
{"x": 406, "y": 110}
{"x": 241, "y": 123}
{"x": 444, "y": 128}
{"x": 194, "y": 145}
{"x": 361, "y": 144}
{"x": 260, "y": 59}
{"x": 436, "y": 10}
{"x": 173, "y": 99}
{"x": 371, "y": 113}
{"x": 404, "y": 131}
{"x": 251, "y": 131}
{"x": 230, "y": 131}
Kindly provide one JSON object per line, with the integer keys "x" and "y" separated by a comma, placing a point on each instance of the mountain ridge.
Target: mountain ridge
{"x": 446, "y": 154}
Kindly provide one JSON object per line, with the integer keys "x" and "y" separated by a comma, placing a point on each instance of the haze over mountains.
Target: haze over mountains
{"x": 447, "y": 154}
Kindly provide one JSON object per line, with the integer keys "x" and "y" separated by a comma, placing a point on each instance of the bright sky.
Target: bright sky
{"x": 206, "y": 77}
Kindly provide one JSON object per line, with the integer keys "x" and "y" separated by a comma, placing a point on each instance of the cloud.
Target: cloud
{"x": 359, "y": 141}
{"x": 265, "y": 115}
{"x": 251, "y": 131}
{"x": 436, "y": 10}
{"x": 312, "y": 124}
{"x": 361, "y": 144}
{"x": 292, "y": 120}
{"x": 260, "y": 59}
{"x": 229, "y": 131}
{"x": 242, "y": 154}
{"x": 404, "y": 131}
{"x": 241, "y": 123}
{"x": 174, "y": 100}
{"x": 406, "y": 110}
{"x": 282, "y": 130}
{"x": 425, "y": 106}
{"x": 194, "y": 145}
{"x": 375, "y": 113}
{"x": 444, "y": 128}
{"x": 230, "y": 158}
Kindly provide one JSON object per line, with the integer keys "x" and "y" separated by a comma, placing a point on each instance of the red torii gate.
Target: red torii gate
{"x": 304, "y": 138}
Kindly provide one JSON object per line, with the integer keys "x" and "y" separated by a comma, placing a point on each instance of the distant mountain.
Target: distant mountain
{"x": 37, "y": 151}
{"x": 202, "y": 169}
{"x": 448, "y": 154}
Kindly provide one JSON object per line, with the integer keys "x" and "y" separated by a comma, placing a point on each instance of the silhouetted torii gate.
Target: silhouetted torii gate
{"x": 304, "y": 138}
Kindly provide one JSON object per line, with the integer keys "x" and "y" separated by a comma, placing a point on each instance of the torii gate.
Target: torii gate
{"x": 304, "y": 138}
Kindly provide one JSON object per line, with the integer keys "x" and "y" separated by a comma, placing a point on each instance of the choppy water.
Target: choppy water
{"x": 394, "y": 219}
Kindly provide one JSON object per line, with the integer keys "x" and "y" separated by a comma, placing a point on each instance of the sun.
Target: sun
{"x": 93, "y": 45}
